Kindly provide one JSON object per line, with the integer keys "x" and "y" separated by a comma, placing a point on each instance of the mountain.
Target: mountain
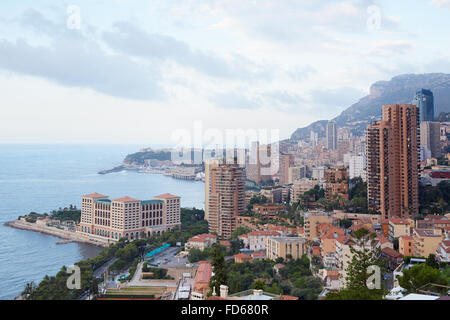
{"x": 400, "y": 89}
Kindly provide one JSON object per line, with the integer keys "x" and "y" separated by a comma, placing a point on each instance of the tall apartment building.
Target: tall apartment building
{"x": 424, "y": 100}
{"x": 209, "y": 164}
{"x": 430, "y": 138}
{"x": 286, "y": 161}
{"x": 127, "y": 217}
{"x": 393, "y": 162}
{"x": 259, "y": 162}
{"x": 226, "y": 198}
{"x": 336, "y": 182}
{"x": 332, "y": 135}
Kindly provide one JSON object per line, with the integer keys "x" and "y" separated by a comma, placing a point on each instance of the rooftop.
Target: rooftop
{"x": 125, "y": 199}
{"x": 95, "y": 195}
{"x": 166, "y": 196}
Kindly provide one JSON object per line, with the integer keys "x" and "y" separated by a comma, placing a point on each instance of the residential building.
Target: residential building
{"x": 332, "y": 141}
{"x": 242, "y": 257}
{"x": 336, "y": 183}
{"x": 312, "y": 220}
{"x": 286, "y": 161}
{"x": 426, "y": 241}
{"x": 257, "y": 240}
{"x": 259, "y": 162}
{"x": 209, "y": 164}
{"x": 393, "y": 162}
{"x": 268, "y": 209}
{"x": 300, "y": 187}
{"x": 443, "y": 251}
{"x": 284, "y": 247}
{"x": 430, "y": 138}
{"x": 200, "y": 241}
{"x": 399, "y": 227}
{"x": 405, "y": 245}
{"x": 226, "y": 198}
{"x": 357, "y": 167}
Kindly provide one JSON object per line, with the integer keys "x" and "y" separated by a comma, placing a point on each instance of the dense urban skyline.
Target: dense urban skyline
{"x": 132, "y": 62}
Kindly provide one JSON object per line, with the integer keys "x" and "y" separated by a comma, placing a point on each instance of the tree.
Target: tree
{"x": 432, "y": 262}
{"x": 220, "y": 273}
{"x": 363, "y": 256}
{"x": 420, "y": 275}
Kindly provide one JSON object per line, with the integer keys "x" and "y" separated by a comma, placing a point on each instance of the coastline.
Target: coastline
{"x": 62, "y": 234}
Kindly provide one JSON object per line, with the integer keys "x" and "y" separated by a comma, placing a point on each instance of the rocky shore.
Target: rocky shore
{"x": 63, "y": 234}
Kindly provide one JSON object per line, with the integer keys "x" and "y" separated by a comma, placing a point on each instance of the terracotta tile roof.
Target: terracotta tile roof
{"x": 125, "y": 199}
{"x": 203, "y": 273}
{"x": 398, "y": 221}
{"x": 284, "y": 297}
{"x": 242, "y": 256}
{"x": 166, "y": 196}
{"x": 263, "y": 233}
{"x": 391, "y": 252}
{"x": 95, "y": 195}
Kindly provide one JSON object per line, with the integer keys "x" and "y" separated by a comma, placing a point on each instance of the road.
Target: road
{"x": 99, "y": 271}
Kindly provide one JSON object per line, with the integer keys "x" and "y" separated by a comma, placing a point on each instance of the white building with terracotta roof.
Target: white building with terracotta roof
{"x": 201, "y": 241}
{"x": 127, "y": 217}
{"x": 257, "y": 240}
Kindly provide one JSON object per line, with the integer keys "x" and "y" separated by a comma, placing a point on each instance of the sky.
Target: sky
{"x": 141, "y": 72}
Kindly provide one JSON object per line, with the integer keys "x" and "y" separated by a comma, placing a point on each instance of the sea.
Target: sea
{"x": 42, "y": 178}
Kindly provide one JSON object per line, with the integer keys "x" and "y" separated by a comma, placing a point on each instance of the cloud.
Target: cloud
{"x": 129, "y": 39}
{"x": 234, "y": 100}
{"x": 390, "y": 48}
{"x": 82, "y": 63}
{"x": 441, "y": 3}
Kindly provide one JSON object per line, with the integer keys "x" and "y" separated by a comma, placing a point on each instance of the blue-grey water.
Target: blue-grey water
{"x": 41, "y": 178}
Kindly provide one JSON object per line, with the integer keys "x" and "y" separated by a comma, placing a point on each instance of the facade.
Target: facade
{"x": 332, "y": 142}
{"x": 300, "y": 187}
{"x": 426, "y": 241}
{"x": 443, "y": 251}
{"x": 286, "y": 162}
{"x": 393, "y": 162}
{"x": 312, "y": 220}
{"x": 258, "y": 166}
{"x": 226, "y": 198}
{"x": 399, "y": 227}
{"x": 257, "y": 240}
{"x": 201, "y": 241}
{"x": 296, "y": 173}
{"x": 281, "y": 247}
{"x": 336, "y": 183}
{"x": 405, "y": 245}
{"x": 268, "y": 209}
{"x": 357, "y": 167}
{"x": 430, "y": 139}
{"x": 127, "y": 217}
{"x": 318, "y": 173}
{"x": 209, "y": 164}
{"x": 424, "y": 100}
